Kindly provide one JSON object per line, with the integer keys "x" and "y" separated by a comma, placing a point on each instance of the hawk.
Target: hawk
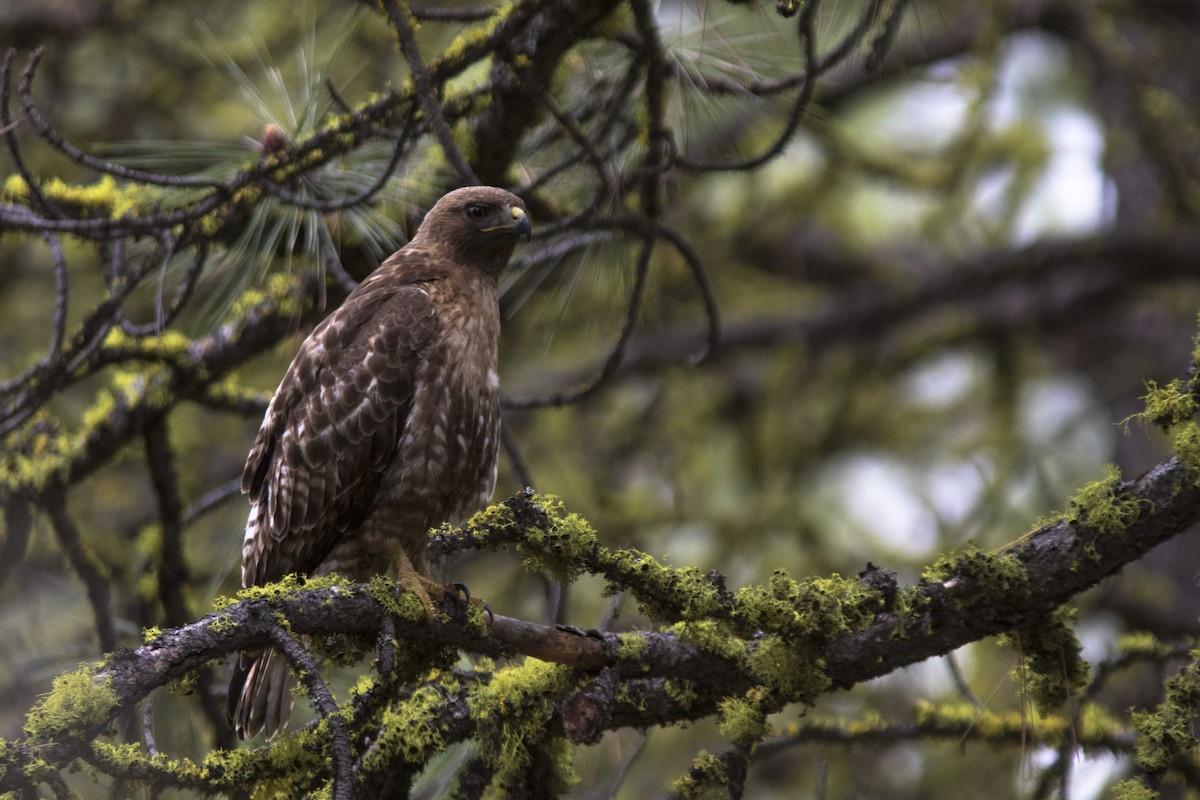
{"x": 387, "y": 423}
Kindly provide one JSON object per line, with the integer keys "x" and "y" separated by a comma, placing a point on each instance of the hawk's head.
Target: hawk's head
{"x": 479, "y": 225}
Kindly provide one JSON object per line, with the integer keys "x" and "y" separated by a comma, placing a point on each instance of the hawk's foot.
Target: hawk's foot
{"x": 459, "y": 591}
{"x": 424, "y": 587}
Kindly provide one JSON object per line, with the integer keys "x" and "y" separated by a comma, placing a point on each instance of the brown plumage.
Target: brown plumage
{"x": 386, "y": 424}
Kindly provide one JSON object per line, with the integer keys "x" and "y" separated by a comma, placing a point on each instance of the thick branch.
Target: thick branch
{"x": 1060, "y": 561}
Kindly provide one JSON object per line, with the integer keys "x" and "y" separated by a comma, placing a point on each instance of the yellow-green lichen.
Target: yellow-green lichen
{"x": 1168, "y": 405}
{"x": 991, "y": 574}
{"x": 283, "y": 290}
{"x": 79, "y": 703}
{"x": 561, "y": 548}
{"x": 411, "y": 730}
{"x": 1099, "y": 504}
{"x": 631, "y": 646}
{"x": 1186, "y": 445}
{"x": 102, "y": 198}
{"x": 186, "y": 685}
{"x": 230, "y": 767}
{"x": 35, "y": 454}
{"x": 791, "y": 670}
{"x": 1133, "y": 789}
{"x": 1142, "y": 643}
{"x": 662, "y": 593}
{"x": 989, "y": 725}
{"x": 707, "y": 771}
{"x": 1166, "y": 733}
{"x": 712, "y": 636}
{"x": 742, "y": 719}
{"x": 290, "y": 764}
{"x": 1055, "y": 668}
{"x": 149, "y": 388}
{"x": 511, "y": 712}
{"x": 405, "y": 605}
{"x": 812, "y": 607}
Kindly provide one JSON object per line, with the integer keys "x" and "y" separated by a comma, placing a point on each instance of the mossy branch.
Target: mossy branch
{"x": 634, "y": 679}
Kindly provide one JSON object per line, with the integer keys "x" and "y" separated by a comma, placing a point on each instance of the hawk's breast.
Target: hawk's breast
{"x": 448, "y": 450}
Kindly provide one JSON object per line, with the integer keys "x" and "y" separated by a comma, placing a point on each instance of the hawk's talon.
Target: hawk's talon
{"x": 456, "y": 589}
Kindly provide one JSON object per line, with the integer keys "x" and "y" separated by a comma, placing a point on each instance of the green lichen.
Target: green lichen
{"x": 283, "y": 294}
{"x": 1186, "y": 445}
{"x": 1133, "y": 789}
{"x": 1167, "y": 406}
{"x": 1054, "y": 666}
{"x": 1142, "y": 643}
{"x": 291, "y": 762}
{"x": 102, "y": 198}
{"x": 150, "y": 634}
{"x": 230, "y": 767}
{"x": 707, "y": 771}
{"x": 1099, "y": 504}
{"x": 742, "y": 720}
{"x": 1165, "y": 734}
{"x": 712, "y": 636}
{"x": 79, "y": 703}
{"x": 991, "y": 574}
{"x": 682, "y": 691}
{"x": 560, "y": 549}
{"x": 511, "y": 712}
{"x": 411, "y": 730}
{"x": 186, "y": 685}
{"x": 793, "y": 671}
{"x": 989, "y": 725}
{"x": 145, "y": 388}
{"x": 229, "y": 392}
{"x": 631, "y": 646}
{"x": 812, "y": 607}
{"x": 493, "y": 522}
{"x": 284, "y": 588}
{"x": 662, "y": 593}
{"x": 405, "y": 605}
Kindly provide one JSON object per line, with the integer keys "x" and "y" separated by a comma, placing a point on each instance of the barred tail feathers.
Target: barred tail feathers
{"x": 260, "y": 694}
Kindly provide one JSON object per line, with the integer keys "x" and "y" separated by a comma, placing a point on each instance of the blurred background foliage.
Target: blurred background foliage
{"x": 938, "y": 302}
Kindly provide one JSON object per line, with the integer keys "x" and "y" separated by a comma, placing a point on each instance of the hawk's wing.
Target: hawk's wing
{"x": 332, "y": 427}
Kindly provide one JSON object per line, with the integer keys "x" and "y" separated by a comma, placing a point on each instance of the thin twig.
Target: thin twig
{"x": 423, "y": 87}
{"x": 85, "y": 565}
{"x": 309, "y": 674}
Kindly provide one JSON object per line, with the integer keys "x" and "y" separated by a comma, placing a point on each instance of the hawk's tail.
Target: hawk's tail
{"x": 261, "y": 685}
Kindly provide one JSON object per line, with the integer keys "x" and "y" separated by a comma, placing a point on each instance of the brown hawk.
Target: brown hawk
{"x": 386, "y": 424}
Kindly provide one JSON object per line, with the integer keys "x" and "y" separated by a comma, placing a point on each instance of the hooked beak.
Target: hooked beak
{"x": 521, "y": 224}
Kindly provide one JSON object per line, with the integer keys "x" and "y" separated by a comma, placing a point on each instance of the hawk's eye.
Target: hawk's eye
{"x": 476, "y": 212}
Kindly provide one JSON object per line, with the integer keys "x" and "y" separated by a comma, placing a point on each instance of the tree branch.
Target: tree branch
{"x": 980, "y": 595}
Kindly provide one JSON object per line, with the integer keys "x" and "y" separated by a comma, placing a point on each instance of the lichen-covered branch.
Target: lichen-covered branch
{"x": 776, "y": 645}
